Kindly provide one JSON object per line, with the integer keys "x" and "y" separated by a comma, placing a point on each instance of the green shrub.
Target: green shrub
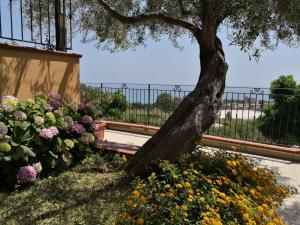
{"x": 107, "y": 104}
{"x": 167, "y": 102}
{"x": 281, "y": 119}
{"x": 205, "y": 188}
{"x": 47, "y": 129}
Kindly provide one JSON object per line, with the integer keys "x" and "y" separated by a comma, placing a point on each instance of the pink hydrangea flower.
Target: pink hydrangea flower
{"x": 48, "y": 133}
{"x": 27, "y": 174}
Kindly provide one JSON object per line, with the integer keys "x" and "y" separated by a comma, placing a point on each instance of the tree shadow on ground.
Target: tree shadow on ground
{"x": 290, "y": 212}
{"x": 71, "y": 198}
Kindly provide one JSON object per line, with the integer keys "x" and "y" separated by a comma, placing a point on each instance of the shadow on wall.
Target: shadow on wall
{"x": 25, "y": 72}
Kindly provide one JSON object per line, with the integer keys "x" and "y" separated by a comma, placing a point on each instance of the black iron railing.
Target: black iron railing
{"x": 253, "y": 114}
{"x": 45, "y": 23}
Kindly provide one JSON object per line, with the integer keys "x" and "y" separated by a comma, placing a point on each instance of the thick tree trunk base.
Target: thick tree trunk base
{"x": 186, "y": 125}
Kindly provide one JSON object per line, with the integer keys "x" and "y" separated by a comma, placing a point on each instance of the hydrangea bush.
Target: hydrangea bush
{"x": 45, "y": 133}
{"x": 207, "y": 189}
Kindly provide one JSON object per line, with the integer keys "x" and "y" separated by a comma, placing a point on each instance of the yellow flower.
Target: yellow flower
{"x": 153, "y": 174}
{"x": 202, "y": 199}
{"x": 209, "y": 181}
{"x": 167, "y": 186}
{"x": 140, "y": 221}
{"x": 234, "y": 164}
{"x": 234, "y": 172}
{"x": 185, "y": 173}
{"x": 143, "y": 199}
{"x": 185, "y": 214}
{"x": 129, "y": 203}
{"x": 179, "y": 186}
{"x": 195, "y": 172}
{"x": 219, "y": 182}
{"x": 184, "y": 207}
{"x": 190, "y": 191}
{"x": 246, "y": 216}
{"x": 162, "y": 195}
{"x": 187, "y": 185}
{"x": 229, "y": 163}
{"x": 135, "y": 194}
{"x": 175, "y": 176}
{"x": 260, "y": 209}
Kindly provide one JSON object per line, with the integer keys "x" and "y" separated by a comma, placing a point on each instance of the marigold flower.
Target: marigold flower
{"x": 234, "y": 172}
{"x": 184, "y": 207}
{"x": 187, "y": 184}
{"x": 167, "y": 186}
{"x": 140, "y": 221}
{"x": 179, "y": 186}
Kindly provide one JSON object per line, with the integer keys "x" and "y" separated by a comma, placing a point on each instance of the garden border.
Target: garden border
{"x": 273, "y": 151}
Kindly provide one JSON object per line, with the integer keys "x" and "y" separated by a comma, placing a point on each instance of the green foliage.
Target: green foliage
{"x": 281, "y": 119}
{"x": 167, "y": 102}
{"x": 108, "y": 104}
{"x": 46, "y": 129}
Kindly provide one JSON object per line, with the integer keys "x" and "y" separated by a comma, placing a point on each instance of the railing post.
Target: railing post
{"x": 60, "y": 27}
{"x": 148, "y": 105}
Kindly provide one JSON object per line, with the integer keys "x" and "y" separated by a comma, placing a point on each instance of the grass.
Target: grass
{"x": 79, "y": 196}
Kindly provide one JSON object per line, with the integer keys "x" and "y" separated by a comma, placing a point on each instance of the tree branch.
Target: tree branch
{"x": 148, "y": 17}
{"x": 184, "y": 12}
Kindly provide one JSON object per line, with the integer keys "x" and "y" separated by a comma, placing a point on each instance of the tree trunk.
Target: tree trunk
{"x": 191, "y": 119}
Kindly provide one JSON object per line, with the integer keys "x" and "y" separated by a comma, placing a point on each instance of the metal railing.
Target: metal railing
{"x": 252, "y": 114}
{"x": 45, "y": 23}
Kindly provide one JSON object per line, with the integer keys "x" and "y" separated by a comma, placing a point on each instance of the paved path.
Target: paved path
{"x": 288, "y": 172}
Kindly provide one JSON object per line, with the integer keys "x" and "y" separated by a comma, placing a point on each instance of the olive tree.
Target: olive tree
{"x": 252, "y": 25}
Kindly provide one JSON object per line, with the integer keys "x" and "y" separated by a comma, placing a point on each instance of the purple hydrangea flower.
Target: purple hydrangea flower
{"x": 79, "y": 128}
{"x": 48, "y": 133}
{"x": 81, "y": 106}
{"x": 70, "y": 122}
{"x": 48, "y": 107}
{"x": 54, "y": 100}
{"x": 27, "y": 174}
{"x": 3, "y": 128}
{"x": 19, "y": 115}
{"x": 87, "y": 119}
{"x": 95, "y": 127}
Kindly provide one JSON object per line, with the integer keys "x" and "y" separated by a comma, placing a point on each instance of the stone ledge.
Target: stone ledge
{"x": 274, "y": 151}
{"x": 37, "y": 50}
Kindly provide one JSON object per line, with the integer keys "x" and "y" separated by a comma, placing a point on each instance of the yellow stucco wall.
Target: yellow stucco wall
{"x": 25, "y": 71}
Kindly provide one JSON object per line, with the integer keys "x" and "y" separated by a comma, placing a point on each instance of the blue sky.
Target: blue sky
{"x": 162, "y": 63}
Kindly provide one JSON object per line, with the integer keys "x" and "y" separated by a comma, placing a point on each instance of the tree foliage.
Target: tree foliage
{"x": 281, "y": 119}
{"x": 250, "y": 24}
{"x": 167, "y": 102}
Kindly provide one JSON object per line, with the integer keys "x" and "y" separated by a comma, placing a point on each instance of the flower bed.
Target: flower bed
{"x": 205, "y": 188}
{"x": 42, "y": 135}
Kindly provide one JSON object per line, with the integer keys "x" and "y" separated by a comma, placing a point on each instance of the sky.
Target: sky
{"x": 161, "y": 63}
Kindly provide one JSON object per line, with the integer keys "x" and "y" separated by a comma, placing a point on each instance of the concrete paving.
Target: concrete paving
{"x": 288, "y": 172}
